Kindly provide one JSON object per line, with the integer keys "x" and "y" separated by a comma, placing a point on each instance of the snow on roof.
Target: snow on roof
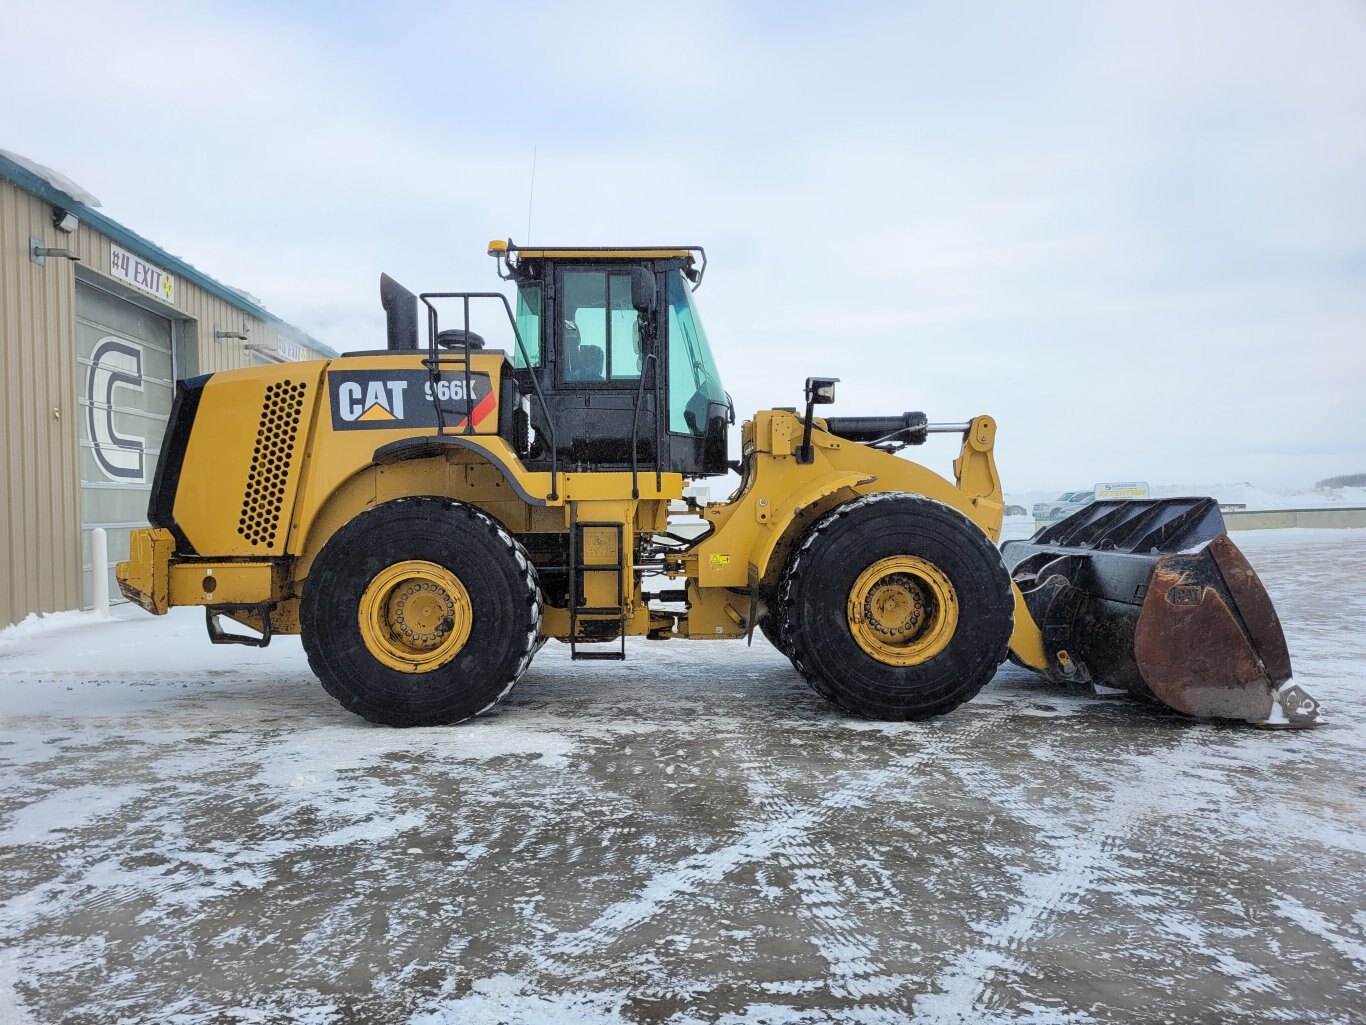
{"x": 56, "y": 179}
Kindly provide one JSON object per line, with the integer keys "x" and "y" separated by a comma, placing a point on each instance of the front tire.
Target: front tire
{"x": 774, "y": 626}
{"x": 897, "y": 607}
{"x": 420, "y": 612}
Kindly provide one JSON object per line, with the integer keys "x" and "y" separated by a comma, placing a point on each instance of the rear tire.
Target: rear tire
{"x": 897, "y": 607}
{"x": 377, "y": 569}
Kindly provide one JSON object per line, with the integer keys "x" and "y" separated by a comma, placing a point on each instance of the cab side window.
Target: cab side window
{"x": 694, "y": 383}
{"x": 528, "y": 325}
{"x": 601, "y": 330}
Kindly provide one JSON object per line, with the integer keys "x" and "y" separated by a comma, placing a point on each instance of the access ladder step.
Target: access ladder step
{"x": 597, "y": 656}
{"x": 579, "y": 571}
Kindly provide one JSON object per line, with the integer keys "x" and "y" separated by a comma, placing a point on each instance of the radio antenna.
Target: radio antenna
{"x": 531, "y": 196}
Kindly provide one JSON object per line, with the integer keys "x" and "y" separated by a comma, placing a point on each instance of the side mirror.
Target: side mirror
{"x": 820, "y": 391}
{"x": 644, "y": 295}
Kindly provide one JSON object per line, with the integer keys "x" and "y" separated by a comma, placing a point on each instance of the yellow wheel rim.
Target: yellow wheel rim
{"x": 415, "y": 616}
{"x": 903, "y": 610}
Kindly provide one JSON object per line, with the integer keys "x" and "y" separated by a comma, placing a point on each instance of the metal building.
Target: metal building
{"x": 96, "y": 324}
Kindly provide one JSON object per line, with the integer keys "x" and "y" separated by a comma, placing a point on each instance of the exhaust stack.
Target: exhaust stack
{"x": 400, "y": 313}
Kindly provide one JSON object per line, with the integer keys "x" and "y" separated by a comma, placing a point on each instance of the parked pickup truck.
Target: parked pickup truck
{"x": 1070, "y": 501}
{"x": 1064, "y": 505}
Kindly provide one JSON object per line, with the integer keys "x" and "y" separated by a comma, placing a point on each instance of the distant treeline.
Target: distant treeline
{"x": 1347, "y": 480}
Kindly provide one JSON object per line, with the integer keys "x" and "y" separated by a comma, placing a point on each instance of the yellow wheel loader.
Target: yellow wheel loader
{"x": 427, "y": 515}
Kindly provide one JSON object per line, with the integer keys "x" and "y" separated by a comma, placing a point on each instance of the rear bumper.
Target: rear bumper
{"x": 155, "y": 578}
{"x": 145, "y": 579}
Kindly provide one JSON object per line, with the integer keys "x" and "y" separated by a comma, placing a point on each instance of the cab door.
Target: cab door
{"x": 601, "y": 342}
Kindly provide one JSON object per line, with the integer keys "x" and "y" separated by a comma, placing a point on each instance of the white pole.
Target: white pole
{"x": 99, "y": 572}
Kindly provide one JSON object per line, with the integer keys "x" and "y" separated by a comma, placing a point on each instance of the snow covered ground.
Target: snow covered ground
{"x": 194, "y": 834}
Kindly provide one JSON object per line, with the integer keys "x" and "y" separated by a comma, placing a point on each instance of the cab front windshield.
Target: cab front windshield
{"x": 694, "y": 383}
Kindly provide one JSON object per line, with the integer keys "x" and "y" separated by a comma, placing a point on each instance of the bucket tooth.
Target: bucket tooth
{"x": 1297, "y": 706}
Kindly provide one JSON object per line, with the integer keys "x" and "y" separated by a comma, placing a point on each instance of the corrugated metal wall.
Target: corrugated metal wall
{"x": 40, "y": 535}
{"x": 39, "y": 508}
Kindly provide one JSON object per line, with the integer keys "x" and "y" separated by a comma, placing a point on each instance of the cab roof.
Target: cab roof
{"x": 499, "y": 247}
{"x": 693, "y": 266}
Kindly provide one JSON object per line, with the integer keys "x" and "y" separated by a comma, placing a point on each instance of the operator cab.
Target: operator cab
{"x": 613, "y": 339}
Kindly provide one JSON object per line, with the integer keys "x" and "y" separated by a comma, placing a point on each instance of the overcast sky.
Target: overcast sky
{"x": 1133, "y": 232}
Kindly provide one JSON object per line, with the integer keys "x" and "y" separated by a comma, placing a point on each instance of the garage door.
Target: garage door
{"x": 126, "y": 377}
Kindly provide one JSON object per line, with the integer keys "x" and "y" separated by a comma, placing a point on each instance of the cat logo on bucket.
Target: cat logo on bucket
{"x": 404, "y": 399}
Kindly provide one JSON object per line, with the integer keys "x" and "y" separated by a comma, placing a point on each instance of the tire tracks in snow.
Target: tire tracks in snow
{"x": 787, "y": 824}
{"x": 1082, "y": 862}
{"x": 855, "y": 970}
{"x": 1219, "y": 777}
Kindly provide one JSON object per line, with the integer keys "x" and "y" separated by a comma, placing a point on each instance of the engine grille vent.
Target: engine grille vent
{"x": 270, "y": 462}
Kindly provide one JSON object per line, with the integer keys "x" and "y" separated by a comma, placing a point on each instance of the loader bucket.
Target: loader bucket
{"x": 1152, "y": 597}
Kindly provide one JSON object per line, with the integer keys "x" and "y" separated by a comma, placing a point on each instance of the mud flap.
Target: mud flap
{"x": 1152, "y": 597}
